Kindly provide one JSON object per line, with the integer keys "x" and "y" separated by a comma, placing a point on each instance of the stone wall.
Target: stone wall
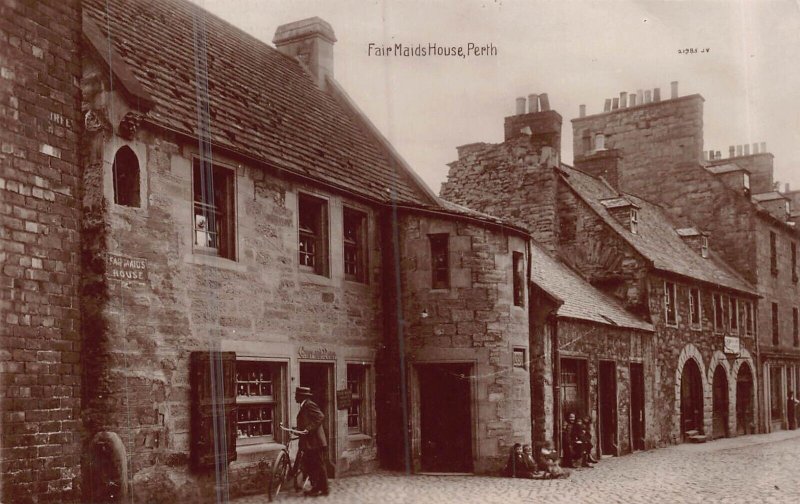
{"x": 474, "y": 321}
{"x": 40, "y": 395}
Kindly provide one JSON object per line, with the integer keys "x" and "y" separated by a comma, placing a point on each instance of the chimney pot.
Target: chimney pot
{"x": 738, "y": 150}
{"x": 544, "y": 101}
{"x": 520, "y": 105}
{"x": 311, "y": 42}
{"x": 607, "y": 106}
{"x": 640, "y": 96}
{"x": 764, "y": 147}
{"x": 657, "y": 95}
{"x": 705, "y": 155}
{"x": 614, "y": 103}
{"x": 582, "y": 110}
{"x": 648, "y": 98}
{"x": 755, "y": 148}
{"x": 623, "y": 100}
{"x": 673, "y": 89}
{"x": 533, "y": 103}
{"x": 746, "y": 149}
{"x": 633, "y": 99}
{"x": 732, "y": 151}
{"x": 718, "y": 155}
{"x": 786, "y": 187}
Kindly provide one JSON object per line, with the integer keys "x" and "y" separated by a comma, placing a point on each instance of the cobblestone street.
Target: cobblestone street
{"x": 758, "y": 468}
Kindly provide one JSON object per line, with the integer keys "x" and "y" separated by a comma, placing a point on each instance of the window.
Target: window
{"x": 719, "y": 318}
{"x": 733, "y": 314}
{"x": 669, "y": 304}
{"x": 357, "y": 384}
{"x": 519, "y": 279}
{"x": 749, "y": 321}
{"x": 258, "y": 390}
{"x": 795, "y": 328}
{"x": 694, "y": 307}
{"x": 214, "y": 209}
{"x": 634, "y": 220}
{"x": 775, "y": 331}
{"x": 313, "y": 234}
{"x": 704, "y": 246}
{"x": 355, "y": 250}
{"x": 126, "y": 177}
{"x": 600, "y": 142}
{"x": 773, "y": 254}
{"x": 794, "y": 262}
{"x": 777, "y": 399}
{"x": 440, "y": 261}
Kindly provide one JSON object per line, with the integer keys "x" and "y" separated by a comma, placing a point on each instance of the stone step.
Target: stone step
{"x": 698, "y": 438}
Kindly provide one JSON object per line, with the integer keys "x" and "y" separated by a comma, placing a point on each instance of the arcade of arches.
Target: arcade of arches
{"x": 717, "y": 400}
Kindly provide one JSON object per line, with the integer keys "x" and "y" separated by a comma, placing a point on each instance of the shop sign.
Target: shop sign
{"x": 731, "y": 345}
{"x": 316, "y": 353}
{"x": 344, "y": 398}
{"x": 127, "y": 269}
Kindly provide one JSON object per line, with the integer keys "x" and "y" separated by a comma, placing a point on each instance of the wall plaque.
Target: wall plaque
{"x": 518, "y": 358}
{"x": 731, "y": 345}
{"x": 128, "y": 269}
{"x": 343, "y": 399}
{"x": 316, "y": 353}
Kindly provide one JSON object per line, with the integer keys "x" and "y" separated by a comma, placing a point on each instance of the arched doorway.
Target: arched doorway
{"x": 720, "y": 403}
{"x": 691, "y": 400}
{"x": 744, "y": 401}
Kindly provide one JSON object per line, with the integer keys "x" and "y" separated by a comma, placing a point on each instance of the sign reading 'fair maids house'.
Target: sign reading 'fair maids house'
{"x": 126, "y": 268}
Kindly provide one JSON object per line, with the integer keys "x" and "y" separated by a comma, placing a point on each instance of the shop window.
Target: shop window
{"x": 355, "y": 241}
{"x": 357, "y": 412}
{"x": 519, "y": 278}
{"x": 719, "y": 316}
{"x": 126, "y": 178}
{"x": 776, "y": 395}
{"x": 733, "y": 314}
{"x": 775, "y": 327}
{"x": 440, "y": 263}
{"x": 214, "y": 209}
{"x": 694, "y": 307}
{"x": 670, "y": 310}
{"x": 773, "y": 253}
{"x": 795, "y": 328}
{"x": 258, "y": 393}
{"x": 749, "y": 318}
{"x": 313, "y": 235}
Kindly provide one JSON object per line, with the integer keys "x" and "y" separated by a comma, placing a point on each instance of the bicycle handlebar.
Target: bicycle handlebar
{"x": 293, "y": 431}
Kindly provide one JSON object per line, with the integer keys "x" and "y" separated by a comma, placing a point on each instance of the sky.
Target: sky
{"x": 578, "y": 52}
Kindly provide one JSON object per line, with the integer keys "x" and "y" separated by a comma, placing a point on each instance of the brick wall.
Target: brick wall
{"x": 476, "y": 321}
{"x": 39, "y": 251}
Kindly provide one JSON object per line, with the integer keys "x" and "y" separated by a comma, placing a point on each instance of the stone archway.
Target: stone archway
{"x": 722, "y": 382}
{"x": 744, "y": 404}
{"x": 696, "y": 394}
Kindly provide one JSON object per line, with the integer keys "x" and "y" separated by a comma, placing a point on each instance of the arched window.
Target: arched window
{"x": 126, "y": 178}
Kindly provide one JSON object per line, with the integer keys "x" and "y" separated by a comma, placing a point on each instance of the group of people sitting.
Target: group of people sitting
{"x": 576, "y": 442}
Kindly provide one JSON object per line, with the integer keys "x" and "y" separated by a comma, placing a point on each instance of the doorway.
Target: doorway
{"x": 319, "y": 378}
{"x": 445, "y": 417}
{"x": 637, "y": 406}
{"x": 691, "y": 400}
{"x": 744, "y": 401}
{"x": 607, "y": 407}
{"x": 720, "y": 404}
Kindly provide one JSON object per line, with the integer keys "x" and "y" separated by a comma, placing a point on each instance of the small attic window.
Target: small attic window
{"x": 635, "y": 220}
{"x": 126, "y": 177}
{"x": 704, "y": 246}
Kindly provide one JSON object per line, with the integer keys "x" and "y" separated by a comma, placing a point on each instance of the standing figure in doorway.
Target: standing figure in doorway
{"x": 313, "y": 441}
{"x": 566, "y": 440}
{"x": 791, "y": 410}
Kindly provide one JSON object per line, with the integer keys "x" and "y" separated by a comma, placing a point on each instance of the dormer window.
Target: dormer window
{"x": 704, "y": 246}
{"x": 635, "y": 220}
{"x": 746, "y": 181}
{"x": 600, "y": 142}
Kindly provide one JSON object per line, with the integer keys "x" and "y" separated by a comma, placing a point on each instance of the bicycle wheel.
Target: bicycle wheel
{"x": 299, "y": 476}
{"x": 278, "y": 476}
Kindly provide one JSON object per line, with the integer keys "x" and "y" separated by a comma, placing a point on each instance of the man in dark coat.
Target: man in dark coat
{"x": 313, "y": 441}
{"x": 791, "y": 410}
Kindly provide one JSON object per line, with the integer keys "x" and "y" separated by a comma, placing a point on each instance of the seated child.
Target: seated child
{"x": 587, "y": 441}
{"x": 530, "y": 463}
{"x": 550, "y": 462}
{"x": 517, "y": 466}
{"x": 579, "y": 450}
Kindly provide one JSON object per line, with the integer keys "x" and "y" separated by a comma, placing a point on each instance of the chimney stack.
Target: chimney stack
{"x": 633, "y": 99}
{"x": 533, "y": 103}
{"x": 731, "y": 151}
{"x": 623, "y": 100}
{"x": 746, "y": 149}
{"x": 673, "y": 89}
{"x": 614, "y": 103}
{"x": 647, "y": 96}
{"x": 738, "y": 150}
{"x": 311, "y": 42}
{"x": 544, "y": 101}
{"x": 607, "y": 106}
{"x": 582, "y": 111}
{"x": 540, "y": 124}
{"x": 520, "y": 106}
{"x": 657, "y": 95}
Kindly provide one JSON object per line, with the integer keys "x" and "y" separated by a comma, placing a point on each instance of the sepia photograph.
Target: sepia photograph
{"x": 399, "y": 251}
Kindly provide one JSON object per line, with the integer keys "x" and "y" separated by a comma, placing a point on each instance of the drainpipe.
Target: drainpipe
{"x": 553, "y": 323}
{"x": 759, "y": 367}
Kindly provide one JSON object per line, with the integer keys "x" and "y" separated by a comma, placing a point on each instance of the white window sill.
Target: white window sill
{"x": 202, "y": 259}
{"x": 313, "y": 278}
{"x": 255, "y": 452}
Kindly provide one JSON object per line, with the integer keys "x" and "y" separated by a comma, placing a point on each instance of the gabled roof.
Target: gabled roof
{"x": 262, "y": 104}
{"x": 580, "y": 299}
{"x": 657, "y": 239}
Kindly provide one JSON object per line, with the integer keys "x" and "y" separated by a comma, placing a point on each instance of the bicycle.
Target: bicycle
{"x": 284, "y": 468}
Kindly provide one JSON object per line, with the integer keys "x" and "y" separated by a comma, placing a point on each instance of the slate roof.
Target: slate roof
{"x": 581, "y": 300}
{"x": 262, "y": 103}
{"x": 657, "y": 239}
{"x": 768, "y": 196}
{"x": 725, "y": 168}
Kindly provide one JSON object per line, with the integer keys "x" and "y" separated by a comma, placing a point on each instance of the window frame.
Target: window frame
{"x": 795, "y": 327}
{"x": 670, "y": 305}
{"x": 773, "y": 253}
{"x": 749, "y": 316}
{"x": 776, "y": 332}
{"x": 360, "y": 244}
{"x": 116, "y": 175}
{"x": 227, "y": 210}
{"x": 634, "y": 220}
{"x": 364, "y": 427}
{"x": 719, "y": 313}
{"x": 733, "y": 314}
{"x": 320, "y": 237}
{"x": 518, "y": 278}
{"x": 278, "y": 370}
{"x": 695, "y": 303}
{"x": 704, "y": 246}
{"x": 440, "y": 240}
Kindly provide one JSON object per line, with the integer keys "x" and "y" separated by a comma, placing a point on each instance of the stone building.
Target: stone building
{"x": 601, "y": 352}
{"x": 734, "y": 199}
{"x": 201, "y": 222}
{"x": 702, "y": 311}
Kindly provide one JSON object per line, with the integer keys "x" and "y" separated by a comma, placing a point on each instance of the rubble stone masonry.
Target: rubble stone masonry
{"x": 40, "y": 174}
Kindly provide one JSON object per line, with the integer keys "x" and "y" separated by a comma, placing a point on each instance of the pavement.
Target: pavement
{"x": 763, "y": 468}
